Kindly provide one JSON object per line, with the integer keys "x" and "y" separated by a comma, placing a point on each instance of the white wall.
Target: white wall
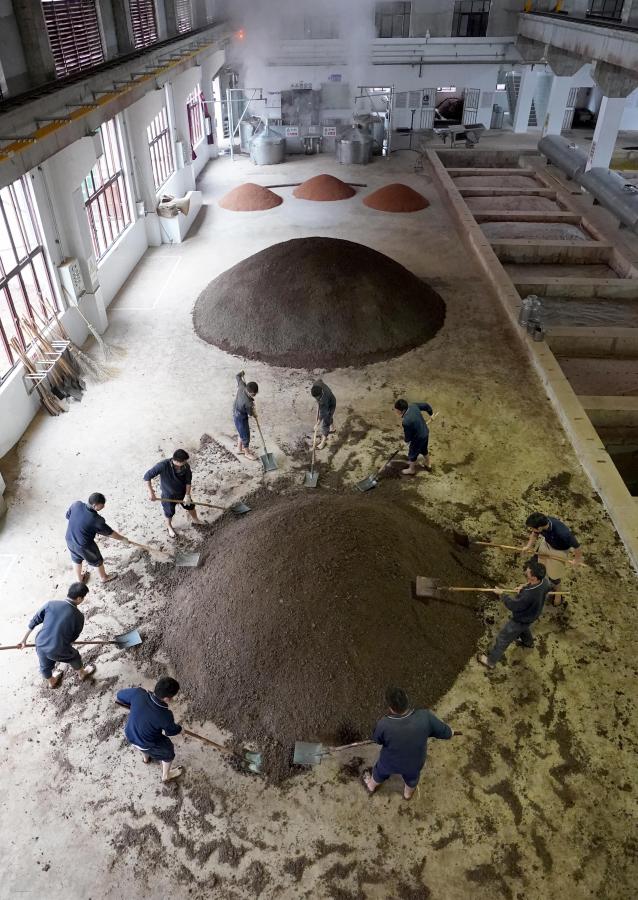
{"x": 629, "y": 121}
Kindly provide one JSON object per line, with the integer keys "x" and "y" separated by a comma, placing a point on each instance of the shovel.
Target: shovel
{"x": 180, "y": 559}
{"x": 157, "y": 554}
{"x": 267, "y": 459}
{"x": 238, "y": 508}
{"x": 463, "y": 540}
{"x": 430, "y": 589}
{"x": 248, "y": 759}
{"x": 312, "y": 754}
{"x": 187, "y": 560}
{"x": 124, "y": 641}
{"x": 312, "y": 477}
{"x": 373, "y": 480}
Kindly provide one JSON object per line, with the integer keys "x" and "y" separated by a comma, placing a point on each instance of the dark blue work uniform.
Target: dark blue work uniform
{"x": 173, "y": 483}
{"x": 148, "y": 723}
{"x": 243, "y": 407}
{"x": 326, "y": 403}
{"x": 62, "y": 623}
{"x": 404, "y": 740}
{"x": 415, "y": 430}
{"x": 559, "y": 536}
{"x": 84, "y": 523}
{"x": 526, "y": 607}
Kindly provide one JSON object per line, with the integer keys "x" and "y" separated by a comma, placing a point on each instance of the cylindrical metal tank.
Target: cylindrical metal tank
{"x": 569, "y": 158}
{"x": 614, "y": 193}
{"x": 354, "y": 147}
{"x": 246, "y": 131}
{"x": 378, "y": 135}
{"x": 267, "y": 148}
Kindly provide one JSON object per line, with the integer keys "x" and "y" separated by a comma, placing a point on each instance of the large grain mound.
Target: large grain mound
{"x": 396, "y": 198}
{"x": 318, "y": 302}
{"x": 250, "y": 197}
{"x": 301, "y": 614}
{"x": 324, "y": 187}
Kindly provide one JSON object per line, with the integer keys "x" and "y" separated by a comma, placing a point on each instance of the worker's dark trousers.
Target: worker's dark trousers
{"x": 508, "y": 633}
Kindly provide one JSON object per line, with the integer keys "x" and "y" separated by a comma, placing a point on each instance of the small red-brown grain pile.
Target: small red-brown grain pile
{"x": 324, "y": 187}
{"x": 250, "y": 197}
{"x": 397, "y": 198}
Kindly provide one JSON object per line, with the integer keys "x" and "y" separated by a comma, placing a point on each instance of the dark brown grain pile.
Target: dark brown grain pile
{"x": 318, "y": 302}
{"x": 301, "y": 614}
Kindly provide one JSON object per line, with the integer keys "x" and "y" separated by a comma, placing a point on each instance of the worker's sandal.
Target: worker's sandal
{"x": 484, "y": 661}
{"x": 89, "y": 671}
{"x": 57, "y": 680}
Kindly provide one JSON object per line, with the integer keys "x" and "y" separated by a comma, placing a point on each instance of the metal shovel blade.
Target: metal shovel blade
{"x": 190, "y": 560}
{"x": 128, "y": 639}
{"x": 311, "y": 479}
{"x": 367, "y": 484}
{"x": 268, "y": 462}
{"x": 307, "y": 754}
{"x": 240, "y": 508}
{"x": 427, "y": 587}
{"x": 253, "y": 761}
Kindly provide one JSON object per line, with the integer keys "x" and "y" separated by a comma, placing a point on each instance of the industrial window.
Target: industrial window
{"x": 105, "y": 192}
{"x": 184, "y": 15}
{"x": 195, "y": 114}
{"x": 25, "y": 279}
{"x": 161, "y": 148}
{"x": 143, "y": 22}
{"x": 606, "y": 9}
{"x": 470, "y": 18}
{"x": 74, "y": 34}
{"x": 392, "y": 20}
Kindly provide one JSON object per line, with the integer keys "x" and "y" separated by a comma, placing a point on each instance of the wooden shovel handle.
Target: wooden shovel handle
{"x": 200, "y": 737}
{"x": 488, "y": 590}
{"x": 17, "y": 646}
{"x": 523, "y": 550}
{"x": 194, "y": 502}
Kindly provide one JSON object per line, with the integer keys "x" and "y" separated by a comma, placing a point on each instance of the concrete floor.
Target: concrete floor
{"x": 536, "y": 800}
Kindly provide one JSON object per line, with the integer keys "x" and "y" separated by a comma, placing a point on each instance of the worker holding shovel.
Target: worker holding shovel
{"x": 416, "y": 432}
{"x": 526, "y": 608}
{"x": 403, "y": 734}
{"x": 150, "y": 722}
{"x": 552, "y": 540}
{"x": 62, "y": 623}
{"x": 85, "y": 523}
{"x": 244, "y": 407}
{"x": 175, "y": 477}
{"x": 326, "y": 405}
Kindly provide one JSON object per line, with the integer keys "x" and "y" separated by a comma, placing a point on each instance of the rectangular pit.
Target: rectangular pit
{"x": 561, "y": 254}
{"x": 622, "y": 446}
{"x": 513, "y": 203}
{"x": 589, "y": 312}
{"x": 605, "y": 377}
{"x": 531, "y": 274}
{"x": 522, "y": 229}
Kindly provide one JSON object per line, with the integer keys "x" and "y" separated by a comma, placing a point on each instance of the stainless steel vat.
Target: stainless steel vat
{"x": 569, "y": 158}
{"x": 267, "y": 148}
{"x": 354, "y": 147}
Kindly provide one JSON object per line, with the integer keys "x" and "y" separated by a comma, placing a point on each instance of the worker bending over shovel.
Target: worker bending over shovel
{"x": 85, "y": 523}
{"x": 244, "y": 407}
{"x": 403, "y": 734}
{"x": 552, "y": 540}
{"x": 526, "y": 608}
{"x": 326, "y": 405}
{"x": 416, "y": 432}
{"x": 150, "y": 722}
{"x": 175, "y": 477}
{"x": 62, "y": 623}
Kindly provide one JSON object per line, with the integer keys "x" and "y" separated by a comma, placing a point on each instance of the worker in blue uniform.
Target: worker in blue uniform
{"x": 326, "y": 405}
{"x": 150, "y": 722}
{"x": 403, "y": 734}
{"x": 416, "y": 433}
{"x": 243, "y": 409}
{"x": 552, "y": 541}
{"x": 62, "y": 624}
{"x": 175, "y": 477}
{"x": 526, "y": 608}
{"x": 85, "y": 523}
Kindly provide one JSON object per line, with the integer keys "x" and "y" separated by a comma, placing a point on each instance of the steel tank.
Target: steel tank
{"x": 354, "y": 147}
{"x": 569, "y": 158}
{"x": 614, "y": 193}
{"x": 267, "y": 148}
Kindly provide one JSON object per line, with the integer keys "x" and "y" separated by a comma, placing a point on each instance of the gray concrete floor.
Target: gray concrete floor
{"x": 537, "y": 800}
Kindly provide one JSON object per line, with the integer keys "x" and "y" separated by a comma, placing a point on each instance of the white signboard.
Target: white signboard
{"x": 292, "y": 131}
{"x": 329, "y": 131}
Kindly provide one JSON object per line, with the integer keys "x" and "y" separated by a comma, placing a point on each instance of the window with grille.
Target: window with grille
{"x": 26, "y": 288}
{"x": 470, "y": 18}
{"x": 161, "y": 148}
{"x": 143, "y": 22}
{"x": 392, "y": 20}
{"x": 106, "y": 197}
{"x": 606, "y": 9}
{"x": 74, "y": 34}
{"x": 184, "y": 15}
{"x": 195, "y": 116}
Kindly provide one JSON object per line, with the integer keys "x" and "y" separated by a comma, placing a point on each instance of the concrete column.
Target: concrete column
{"x": 35, "y": 42}
{"x": 525, "y": 98}
{"x": 122, "y": 23}
{"x": 607, "y": 125}
{"x": 556, "y": 105}
{"x": 630, "y": 12}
